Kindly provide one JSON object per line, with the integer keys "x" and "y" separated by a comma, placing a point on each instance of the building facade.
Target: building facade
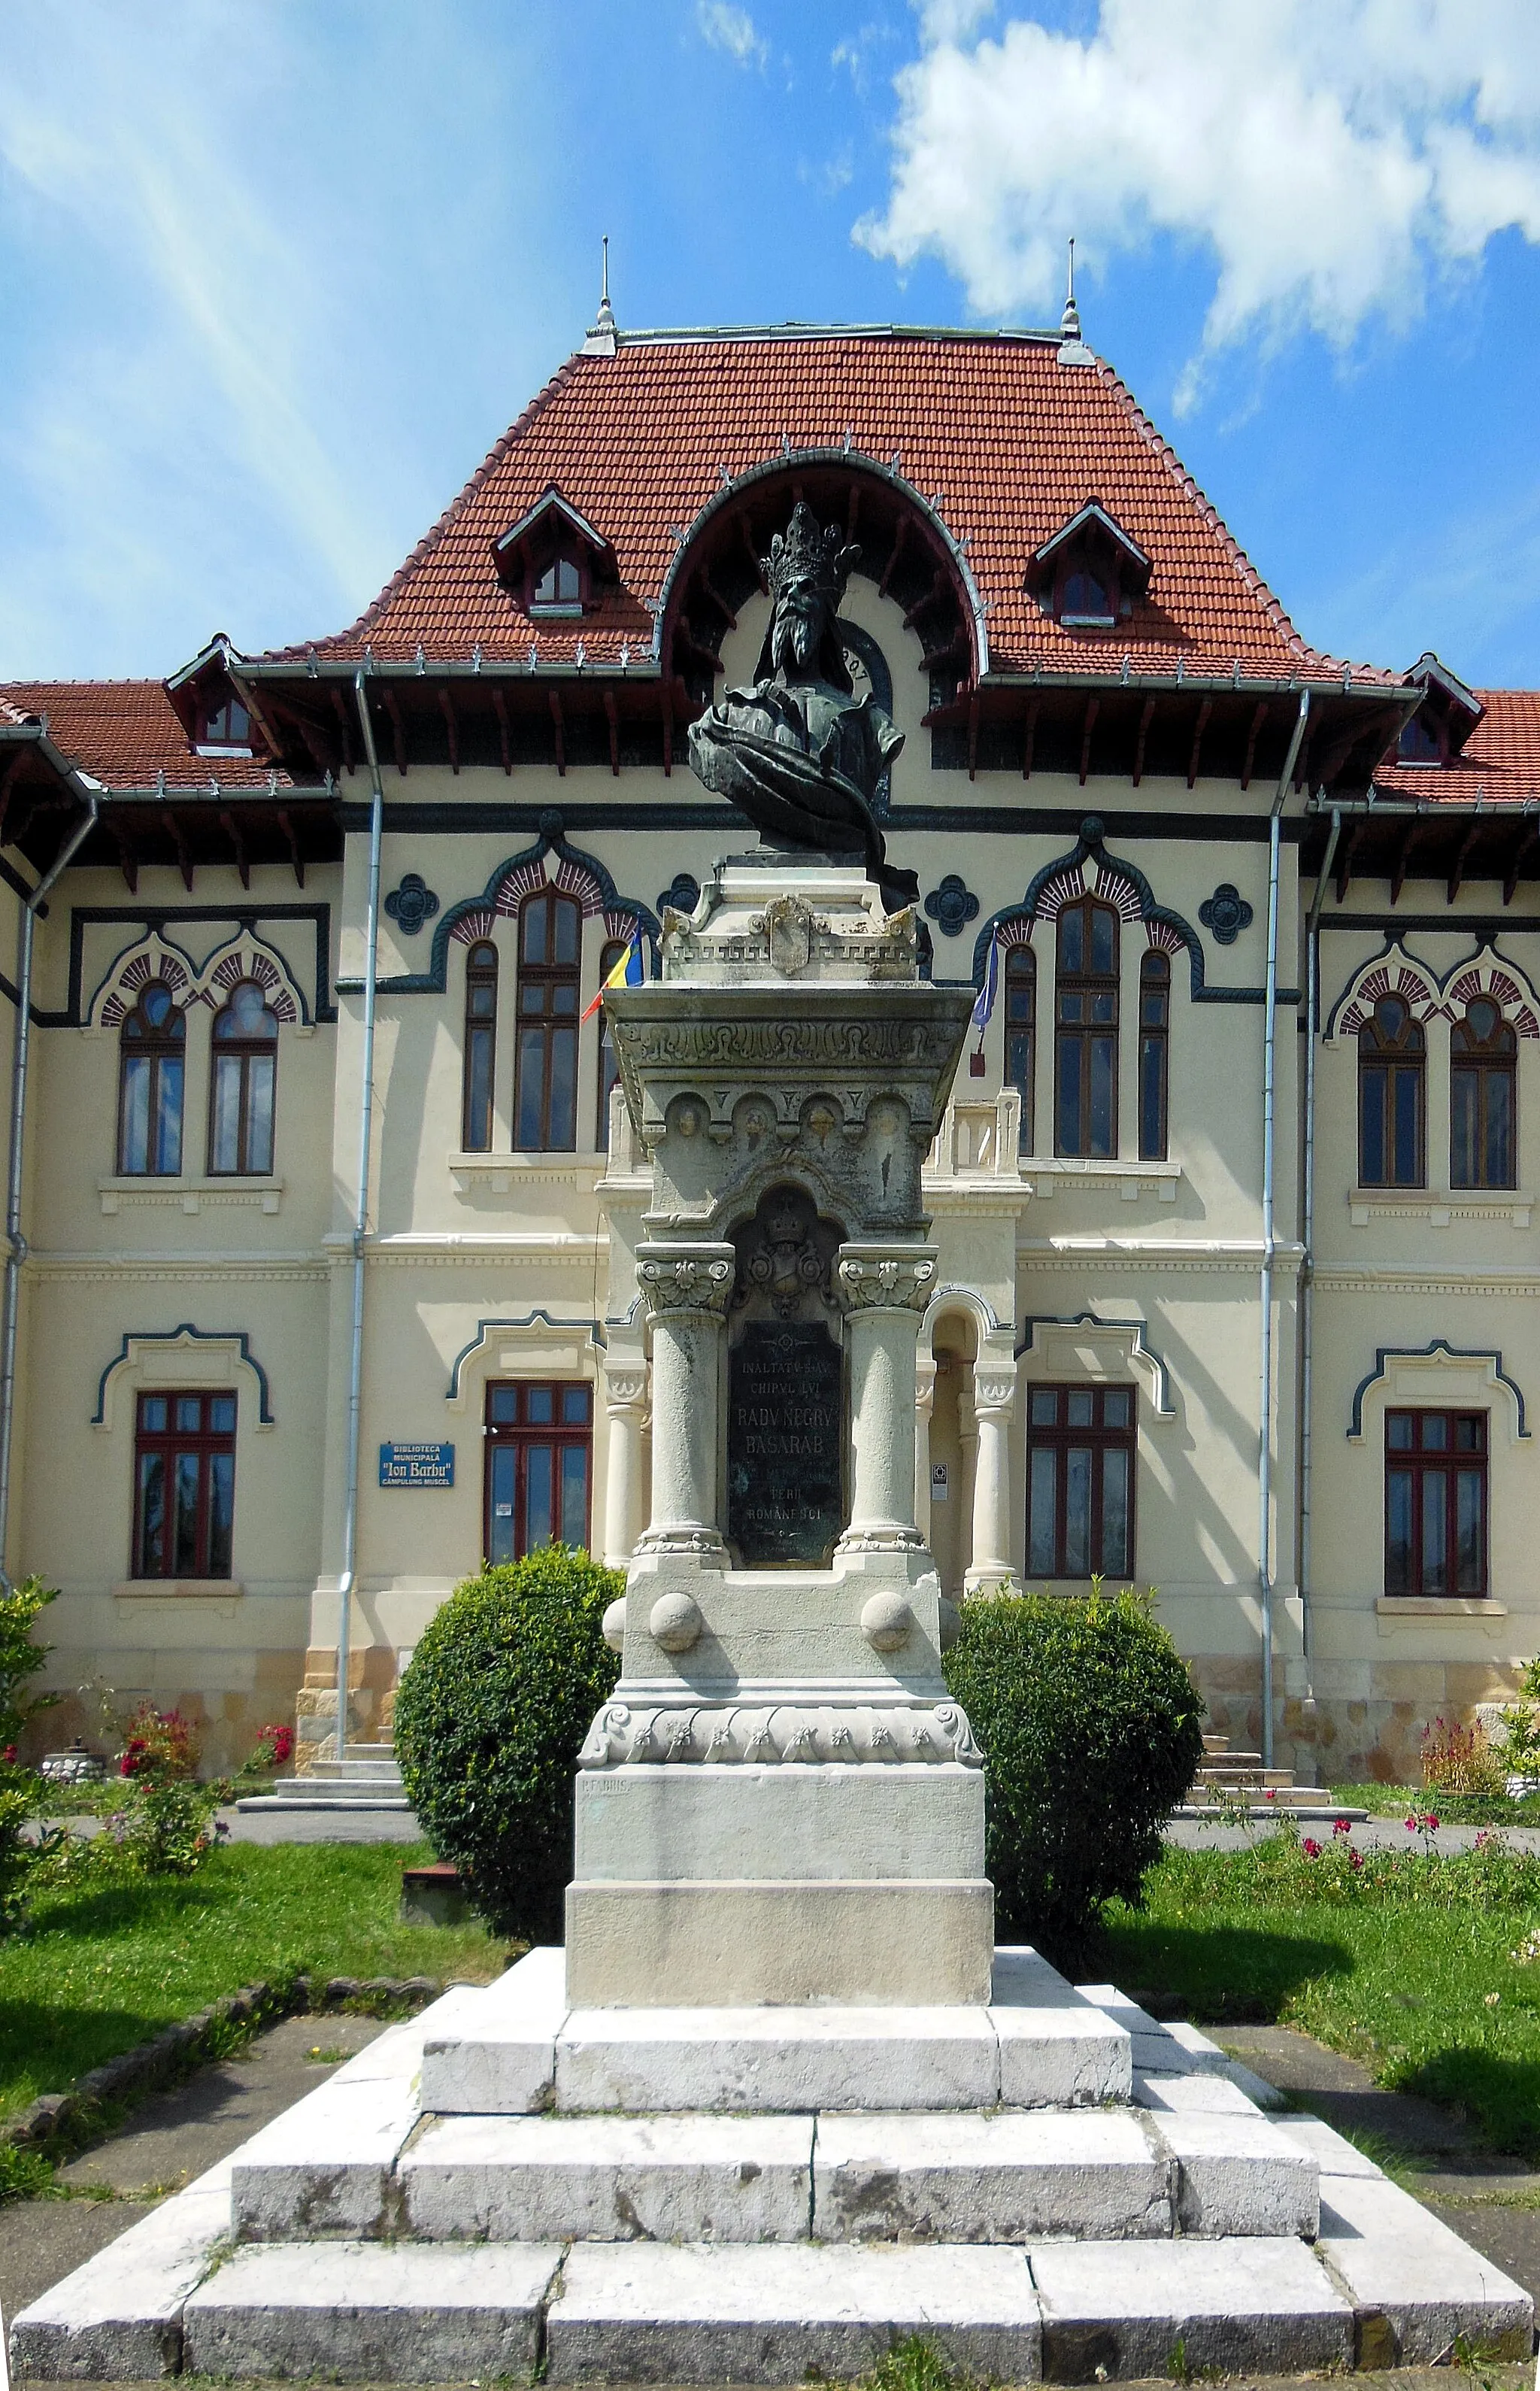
{"x": 1257, "y": 936}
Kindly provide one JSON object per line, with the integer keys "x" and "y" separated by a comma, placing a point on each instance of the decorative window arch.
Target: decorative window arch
{"x": 1393, "y": 973}
{"x": 152, "y": 1083}
{"x": 247, "y": 958}
{"x": 150, "y": 958}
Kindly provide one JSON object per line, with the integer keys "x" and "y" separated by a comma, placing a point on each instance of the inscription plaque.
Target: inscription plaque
{"x": 784, "y": 1442}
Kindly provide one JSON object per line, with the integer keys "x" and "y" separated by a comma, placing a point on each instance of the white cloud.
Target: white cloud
{"x": 1329, "y": 154}
{"x": 730, "y": 28}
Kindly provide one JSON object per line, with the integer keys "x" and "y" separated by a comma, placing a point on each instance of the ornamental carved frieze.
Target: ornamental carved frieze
{"x": 686, "y": 1278}
{"x": 786, "y": 1043}
{"x": 726, "y": 1735}
{"x": 886, "y": 1278}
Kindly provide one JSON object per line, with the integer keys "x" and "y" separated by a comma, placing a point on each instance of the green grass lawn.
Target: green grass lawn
{"x": 1401, "y": 1978}
{"x": 1453, "y": 1809}
{"x": 103, "y": 1969}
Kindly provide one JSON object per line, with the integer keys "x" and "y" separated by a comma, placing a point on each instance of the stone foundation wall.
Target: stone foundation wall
{"x": 371, "y": 1701}
{"x": 1356, "y": 1721}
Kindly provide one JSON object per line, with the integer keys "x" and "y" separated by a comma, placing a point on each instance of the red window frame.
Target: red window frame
{"x": 1483, "y": 1099}
{"x": 536, "y": 1430}
{"x": 1085, "y": 1032}
{"x": 184, "y": 1450}
{"x": 1393, "y": 1074}
{"x": 479, "y": 1063}
{"x": 1437, "y": 1503}
{"x": 1021, "y": 1033}
{"x": 545, "y": 1058}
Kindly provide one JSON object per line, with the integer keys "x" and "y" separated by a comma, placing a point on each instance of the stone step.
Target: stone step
{"x": 518, "y": 2046}
{"x": 1233, "y": 1773}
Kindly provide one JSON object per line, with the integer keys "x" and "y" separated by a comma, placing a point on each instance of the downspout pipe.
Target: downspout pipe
{"x": 1307, "y": 1263}
{"x": 347, "y": 1581}
{"x": 1269, "y": 1240}
{"x": 15, "y": 1243}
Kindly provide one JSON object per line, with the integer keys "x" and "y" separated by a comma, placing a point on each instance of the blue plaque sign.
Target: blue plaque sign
{"x": 416, "y": 1464}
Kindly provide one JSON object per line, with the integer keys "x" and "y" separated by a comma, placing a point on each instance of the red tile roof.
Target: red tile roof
{"x": 124, "y": 733}
{"x": 1013, "y": 442}
{"x": 1499, "y": 764}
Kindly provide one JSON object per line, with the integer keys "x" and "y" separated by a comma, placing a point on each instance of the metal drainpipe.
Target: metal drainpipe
{"x": 1307, "y": 1263}
{"x": 15, "y": 1243}
{"x": 360, "y": 1223}
{"x": 1270, "y": 1040}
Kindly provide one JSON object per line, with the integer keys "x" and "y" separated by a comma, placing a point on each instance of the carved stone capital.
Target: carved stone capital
{"x": 686, "y": 1278}
{"x": 624, "y": 1390}
{"x": 994, "y": 1389}
{"x": 885, "y": 1278}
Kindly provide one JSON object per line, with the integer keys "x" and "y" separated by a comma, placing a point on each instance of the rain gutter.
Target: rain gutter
{"x": 346, "y": 1579}
{"x": 1269, "y": 1241}
{"x": 1307, "y": 1261}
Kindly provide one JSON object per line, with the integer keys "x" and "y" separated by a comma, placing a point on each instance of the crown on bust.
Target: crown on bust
{"x": 807, "y": 552}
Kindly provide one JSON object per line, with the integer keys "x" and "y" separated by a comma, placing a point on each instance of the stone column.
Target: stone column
{"x": 925, "y": 1404}
{"x": 962, "y": 1493}
{"x": 883, "y": 1290}
{"x": 625, "y": 1404}
{"x": 994, "y": 1402}
{"x": 685, "y": 1287}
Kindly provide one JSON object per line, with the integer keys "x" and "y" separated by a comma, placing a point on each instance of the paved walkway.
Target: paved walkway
{"x": 298, "y": 1825}
{"x": 171, "y": 2137}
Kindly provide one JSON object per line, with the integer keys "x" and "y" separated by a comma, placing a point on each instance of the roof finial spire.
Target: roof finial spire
{"x": 1068, "y": 323}
{"x": 1072, "y": 350}
{"x": 602, "y": 331}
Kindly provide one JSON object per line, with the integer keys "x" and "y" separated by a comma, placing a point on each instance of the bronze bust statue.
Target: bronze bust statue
{"x": 798, "y": 753}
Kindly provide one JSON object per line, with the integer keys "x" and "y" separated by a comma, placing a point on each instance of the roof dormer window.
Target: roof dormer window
{"x": 224, "y": 727}
{"x": 559, "y": 590}
{"x": 1089, "y": 573}
{"x": 552, "y": 560}
{"x": 1423, "y": 741}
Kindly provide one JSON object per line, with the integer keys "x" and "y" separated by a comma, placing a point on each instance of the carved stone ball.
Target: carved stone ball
{"x": 676, "y": 1622}
{"x": 614, "y": 1624}
{"x": 886, "y": 1620}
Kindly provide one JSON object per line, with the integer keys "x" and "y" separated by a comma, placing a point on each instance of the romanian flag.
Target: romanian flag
{"x": 626, "y": 974}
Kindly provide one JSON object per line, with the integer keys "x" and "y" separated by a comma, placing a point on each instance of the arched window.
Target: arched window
{"x": 480, "y": 1047}
{"x": 1085, "y": 1038}
{"x": 1392, "y": 1068}
{"x": 545, "y": 1099}
{"x": 610, "y": 1070}
{"x": 241, "y": 1095}
{"x": 1484, "y": 1054}
{"x": 1154, "y": 1034}
{"x": 1022, "y": 1031}
{"x": 150, "y": 1074}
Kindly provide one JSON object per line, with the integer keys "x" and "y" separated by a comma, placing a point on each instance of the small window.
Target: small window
{"x": 550, "y": 928}
{"x": 1022, "y": 1031}
{"x": 241, "y": 1090}
{"x": 1421, "y": 741}
{"x": 152, "y": 1069}
{"x": 1086, "y": 1037}
{"x": 1392, "y": 1083}
{"x": 226, "y": 725}
{"x": 184, "y": 1485}
{"x": 1484, "y": 1058}
{"x": 559, "y": 588}
{"x": 1086, "y": 598}
{"x": 1154, "y": 1035}
{"x": 480, "y": 1047}
{"x": 539, "y": 1456}
{"x": 1081, "y": 1443}
{"x": 610, "y": 1070}
{"x": 1435, "y": 1503}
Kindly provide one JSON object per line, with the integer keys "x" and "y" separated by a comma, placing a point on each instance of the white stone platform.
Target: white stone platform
{"x": 368, "y": 2236}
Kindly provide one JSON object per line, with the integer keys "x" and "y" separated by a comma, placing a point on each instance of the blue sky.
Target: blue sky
{"x": 273, "y": 274}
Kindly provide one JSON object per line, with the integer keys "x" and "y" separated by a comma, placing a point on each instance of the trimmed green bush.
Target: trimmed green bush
{"x": 490, "y": 1717}
{"x": 1091, "y": 1731}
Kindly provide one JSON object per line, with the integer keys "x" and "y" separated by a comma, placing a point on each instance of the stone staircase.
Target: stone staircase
{"x": 1227, "y": 1778}
{"x": 1051, "y": 2186}
{"x": 367, "y": 1778}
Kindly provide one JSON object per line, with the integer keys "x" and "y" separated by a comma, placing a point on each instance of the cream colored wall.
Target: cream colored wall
{"x": 517, "y": 1264}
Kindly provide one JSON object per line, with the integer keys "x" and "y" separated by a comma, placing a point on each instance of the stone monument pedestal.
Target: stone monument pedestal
{"x": 781, "y": 1803}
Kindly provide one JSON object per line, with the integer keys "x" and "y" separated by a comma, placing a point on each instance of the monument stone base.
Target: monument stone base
{"x": 1047, "y": 2186}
